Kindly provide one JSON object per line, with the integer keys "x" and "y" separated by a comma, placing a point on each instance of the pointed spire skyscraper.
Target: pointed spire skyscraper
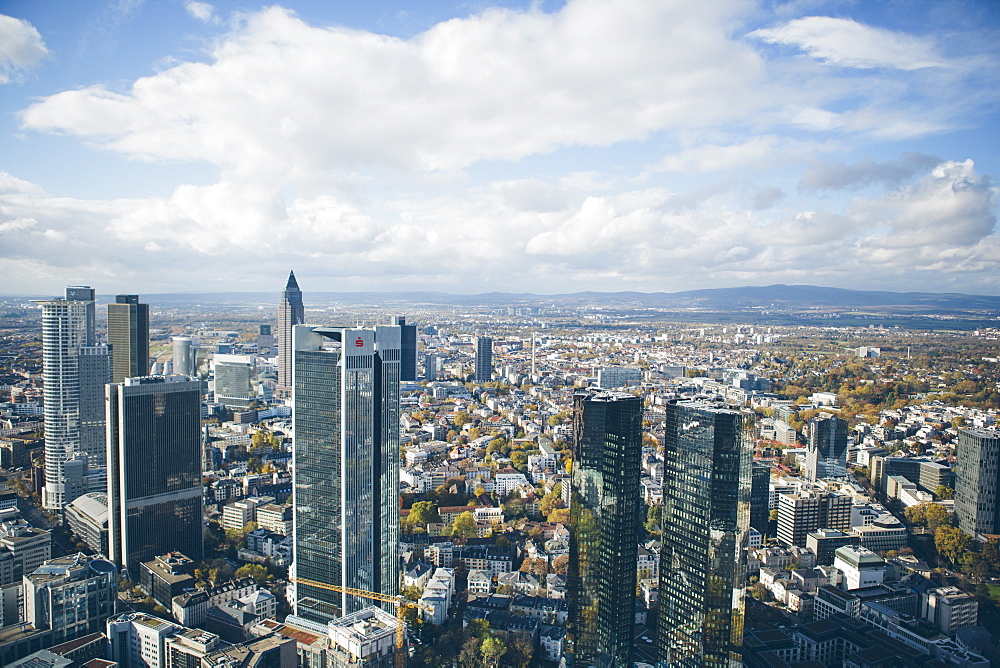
{"x": 291, "y": 312}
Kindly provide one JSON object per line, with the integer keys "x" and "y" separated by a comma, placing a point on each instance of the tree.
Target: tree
{"x": 469, "y": 656}
{"x": 412, "y": 592}
{"x": 936, "y": 516}
{"x": 492, "y": 648}
{"x": 550, "y": 502}
{"x": 519, "y": 652}
{"x": 653, "y": 515}
{"x": 461, "y": 419}
{"x": 943, "y": 493}
{"x": 559, "y": 516}
{"x": 464, "y": 526}
{"x": 421, "y": 513}
{"x": 255, "y": 571}
{"x": 560, "y": 564}
{"x": 951, "y": 543}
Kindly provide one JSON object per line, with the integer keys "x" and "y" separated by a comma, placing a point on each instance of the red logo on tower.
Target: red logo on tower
{"x": 358, "y": 343}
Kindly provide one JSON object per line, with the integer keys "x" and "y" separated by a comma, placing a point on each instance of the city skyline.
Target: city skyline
{"x": 655, "y": 146}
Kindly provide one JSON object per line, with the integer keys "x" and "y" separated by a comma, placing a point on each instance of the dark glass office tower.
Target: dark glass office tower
{"x": 607, "y": 447}
{"x": 826, "y": 452}
{"x": 291, "y": 312}
{"x": 346, "y": 491}
{"x": 128, "y": 336}
{"x": 760, "y": 498}
{"x": 706, "y": 516}
{"x": 154, "y": 468}
{"x": 977, "y": 481}
{"x": 408, "y": 349}
{"x": 484, "y": 359}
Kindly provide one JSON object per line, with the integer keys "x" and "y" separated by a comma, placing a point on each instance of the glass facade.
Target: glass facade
{"x": 73, "y": 423}
{"x": 291, "y": 312}
{"x": 706, "y": 516}
{"x": 128, "y": 336}
{"x": 826, "y": 453}
{"x": 604, "y": 507}
{"x": 154, "y": 479}
{"x": 346, "y": 400}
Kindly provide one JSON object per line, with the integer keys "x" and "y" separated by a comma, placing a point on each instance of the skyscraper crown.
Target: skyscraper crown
{"x": 292, "y": 283}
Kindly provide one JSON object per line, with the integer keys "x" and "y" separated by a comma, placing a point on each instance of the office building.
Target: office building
{"x": 346, "y": 486}
{"x": 265, "y": 340}
{"x": 803, "y": 512}
{"x": 408, "y": 349}
{"x": 232, "y": 380}
{"x": 760, "y": 498}
{"x": 708, "y": 451}
{"x": 87, "y": 517}
{"x": 137, "y": 639}
{"x": 977, "y": 481}
{"x": 484, "y": 359}
{"x": 604, "y": 505}
{"x": 610, "y": 377}
{"x": 291, "y": 312}
{"x": 128, "y": 336}
{"x": 826, "y": 452}
{"x": 860, "y": 566}
{"x": 825, "y": 542}
{"x": 154, "y": 456}
{"x": 184, "y": 356}
{"x": 72, "y": 596}
{"x": 430, "y": 366}
{"x": 925, "y": 472}
{"x": 74, "y": 372}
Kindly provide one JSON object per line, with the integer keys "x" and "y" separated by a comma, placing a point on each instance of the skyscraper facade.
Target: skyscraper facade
{"x": 128, "y": 336}
{"x": 484, "y": 359}
{"x": 346, "y": 450}
{"x": 760, "y": 498}
{"x": 291, "y": 312}
{"x": 184, "y": 364}
{"x": 154, "y": 468}
{"x": 826, "y": 452}
{"x": 74, "y": 371}
{"x": 706, "y": 516}
{"x": 408, "y": 349}
{"x": 604, "y": 506}
{"x": 232, "y": 380}
{"x": 977, "y": 481}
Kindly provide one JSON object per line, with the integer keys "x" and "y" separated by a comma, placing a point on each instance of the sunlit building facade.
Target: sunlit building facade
{"x": 154, "y": 463}
{"x": 604, "y": 507}
{"x": 346, "y": 456}
{"x": 708, "y": 452}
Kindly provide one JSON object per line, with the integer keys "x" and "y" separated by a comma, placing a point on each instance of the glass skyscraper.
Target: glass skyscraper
{"x": 708, "y": 451}
{"x": 154, "y": 469}
{"x": 826, "y": 453}
{"x": 128, "y": 335}
{"x": 604, "y": 507}
{"x": 74, "y": 371}
{"x": 346, "y": 455}
{"x": 484, "y": 359}
{"x": 977, "y": 481}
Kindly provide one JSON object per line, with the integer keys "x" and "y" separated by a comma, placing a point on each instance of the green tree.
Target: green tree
{"x": 412, "y": 592}
{"x": 255, "y": 571}
{"x": 461, "y": 419}
{"x": 492, "y": 650}
{"x": 464, "y": 526}
{"x": 943, "y": 493}
{"x": 421, "y": 513}
{"x": 653, "y": 515}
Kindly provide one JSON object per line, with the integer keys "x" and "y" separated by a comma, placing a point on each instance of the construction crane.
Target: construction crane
{"x": 399, "y": 602}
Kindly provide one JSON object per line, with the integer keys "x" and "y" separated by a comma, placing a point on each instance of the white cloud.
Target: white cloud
{"x": 282, "y": 99}
{"x": 847, "y": 43}
{"x": 21, "y": 47}
{"x": 202, "y": 11}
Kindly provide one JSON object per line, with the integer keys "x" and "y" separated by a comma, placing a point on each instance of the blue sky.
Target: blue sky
{"x": 180, "y": 146}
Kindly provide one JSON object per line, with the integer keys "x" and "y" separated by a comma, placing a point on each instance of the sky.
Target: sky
{"x": 515, "y": 146}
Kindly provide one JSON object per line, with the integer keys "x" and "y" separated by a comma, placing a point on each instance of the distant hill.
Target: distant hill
{"x": 723, "y": 299}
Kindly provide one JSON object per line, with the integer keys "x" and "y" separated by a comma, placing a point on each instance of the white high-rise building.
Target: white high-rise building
{"x": 74, "y": 371}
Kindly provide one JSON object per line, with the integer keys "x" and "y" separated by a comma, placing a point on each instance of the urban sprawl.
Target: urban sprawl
{"x": 325, "y": 485}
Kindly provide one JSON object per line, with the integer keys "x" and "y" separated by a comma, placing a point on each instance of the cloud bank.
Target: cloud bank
{"x": 626, "y": 145}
